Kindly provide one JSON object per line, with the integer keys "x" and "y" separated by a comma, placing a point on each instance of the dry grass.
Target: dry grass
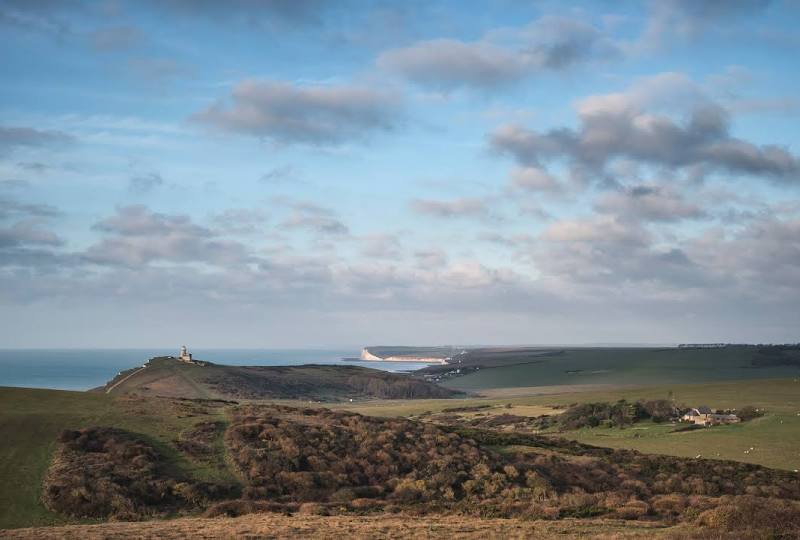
{"x": 317, "y": 527}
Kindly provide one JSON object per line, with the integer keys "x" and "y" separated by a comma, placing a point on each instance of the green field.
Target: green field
{"x": 30, "y": 421}
{"x": 623, "y": 367}
{"x": 775, "y": 437}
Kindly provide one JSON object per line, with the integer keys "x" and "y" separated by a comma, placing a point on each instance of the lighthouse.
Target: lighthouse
{"x": 185, "y": 355}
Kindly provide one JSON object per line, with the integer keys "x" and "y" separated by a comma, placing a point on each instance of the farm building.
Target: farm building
{"x": 705, "y": 416}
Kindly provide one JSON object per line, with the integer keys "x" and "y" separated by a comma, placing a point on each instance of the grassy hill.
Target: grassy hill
{"x": 481, "y": 472}
{"x": 182, "y": 440}
{"x": 274, "y": 458}
{"x": 165, "y": 376}
{"x": 483, "y": 369}
{"x": 31, "y": 420}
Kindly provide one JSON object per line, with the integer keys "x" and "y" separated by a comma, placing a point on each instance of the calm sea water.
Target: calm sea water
{"x": 82, "y": 369}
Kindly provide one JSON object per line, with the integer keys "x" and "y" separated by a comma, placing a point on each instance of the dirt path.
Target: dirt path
{"x": 108, "y": 391}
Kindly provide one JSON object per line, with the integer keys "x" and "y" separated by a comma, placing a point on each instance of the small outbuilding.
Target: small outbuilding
{"x": 705, "y": 416}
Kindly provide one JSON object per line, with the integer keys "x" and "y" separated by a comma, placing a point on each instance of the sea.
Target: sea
{"x": 84, "y": 369}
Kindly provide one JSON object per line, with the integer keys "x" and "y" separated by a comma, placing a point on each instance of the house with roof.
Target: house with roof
{"x": 705, "y": 416}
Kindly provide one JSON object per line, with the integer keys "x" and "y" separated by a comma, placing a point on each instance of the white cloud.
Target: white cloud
{"x": 502, "y": 57}
{"x": 289, "y": 113}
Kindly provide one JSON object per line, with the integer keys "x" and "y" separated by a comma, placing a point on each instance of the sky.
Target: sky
{"x": 306, "y": 173}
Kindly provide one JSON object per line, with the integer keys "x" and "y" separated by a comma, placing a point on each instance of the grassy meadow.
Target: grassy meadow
{"x": 775, "y": 437}
{"x": 624, "y": 367}
{"x": 30, "y": 421}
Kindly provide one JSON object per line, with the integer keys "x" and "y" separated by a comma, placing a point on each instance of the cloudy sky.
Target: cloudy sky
{"x": 296, "y": 173}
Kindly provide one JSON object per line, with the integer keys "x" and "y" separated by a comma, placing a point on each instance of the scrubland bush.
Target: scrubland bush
{"x": 106, "y": 472}
{"x": 773, "y": 518}
{"x": 621, "y": 413}
{"x": 313, "y": 509}
{"x": 672, "y": 505}
{"x": 241, "y": 507}
{"x": 580, "y": 505}
{"x": 320, "y": 455}
{"x": 365, "y": 504}
{"x": 633, "y": 509}
{"x": 749, "y": 413}
{"x": 321, "y": 461}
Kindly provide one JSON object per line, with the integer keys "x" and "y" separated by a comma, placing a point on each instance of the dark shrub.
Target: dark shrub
{"x": 242, "y": 507}
{"x": 660, "y": 410}
{"x": 774, "y": 518}
{"x": 106, "y": 472}
{"x": 289, "y": 455}
{"x": 748, "y": 413}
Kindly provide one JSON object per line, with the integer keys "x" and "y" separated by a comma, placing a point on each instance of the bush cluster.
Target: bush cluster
{"x": 621, "y": 413}
{"x": 316, "y": 455}
{"x": 642, "y": 475}
{"x": 324, "y": 456}
{"x": 319, "y": 461}
{"x": 103, "y": 472}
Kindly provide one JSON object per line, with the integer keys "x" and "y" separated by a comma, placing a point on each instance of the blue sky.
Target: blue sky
{"x": 310, "y": 173}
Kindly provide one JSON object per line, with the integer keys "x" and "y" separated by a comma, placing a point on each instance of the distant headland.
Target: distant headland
{"x": 425, "y": 355}
{"x": 184, "y": 376}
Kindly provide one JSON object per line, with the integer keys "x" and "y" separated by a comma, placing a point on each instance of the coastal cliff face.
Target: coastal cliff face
{"x": 368, "y": 356}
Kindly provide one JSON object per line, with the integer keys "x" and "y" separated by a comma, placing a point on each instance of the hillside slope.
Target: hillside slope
{"x": 131, "y": 456}
{"x": 167, "y": 377}
{"x": 31, "y": 421}
{"x": 485, "y": 369}
{"x": 317, "y": 461}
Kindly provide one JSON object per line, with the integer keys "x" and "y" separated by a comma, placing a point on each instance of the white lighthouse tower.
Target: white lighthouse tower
{"x": 185, "y": 355}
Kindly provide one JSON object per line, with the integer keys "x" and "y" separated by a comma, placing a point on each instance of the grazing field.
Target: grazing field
{"x": 618, "y": 367}
{"x": 774, "y": 437}
{"x": 773, "y": 441}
